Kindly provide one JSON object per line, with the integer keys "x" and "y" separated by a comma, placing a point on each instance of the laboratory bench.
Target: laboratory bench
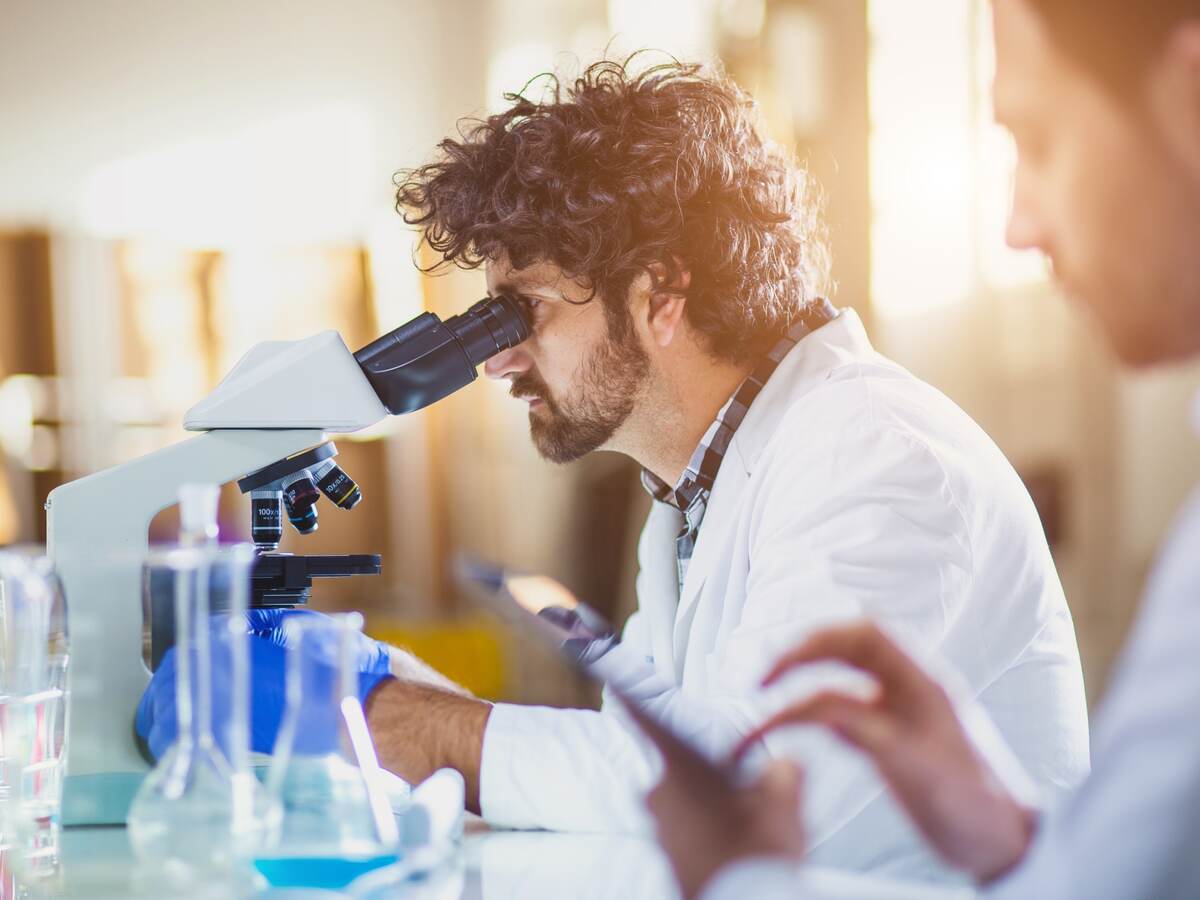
{"x": 97, "y": 864}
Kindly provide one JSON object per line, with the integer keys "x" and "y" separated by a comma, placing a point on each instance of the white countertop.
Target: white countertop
{"x": 97, "y": 864}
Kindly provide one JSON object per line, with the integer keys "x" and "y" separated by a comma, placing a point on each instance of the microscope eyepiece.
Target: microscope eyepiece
{"x": 489, "y": 326}
{"x": 427, "y": 359}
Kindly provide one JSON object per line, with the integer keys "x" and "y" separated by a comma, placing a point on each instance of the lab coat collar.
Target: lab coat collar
{"x": 810, "y": 362}
{"x": 840, "y": 342}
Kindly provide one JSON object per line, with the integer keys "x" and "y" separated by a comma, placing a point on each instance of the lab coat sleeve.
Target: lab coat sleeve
{"x": 562, "y": 769}
{"x": 583, "y": 770}
{"x": 570, "y": 769}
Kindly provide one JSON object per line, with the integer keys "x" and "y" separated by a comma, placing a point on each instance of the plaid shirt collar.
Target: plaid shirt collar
{"x": 706, "y": 459}
{"x": 690, "y": 493}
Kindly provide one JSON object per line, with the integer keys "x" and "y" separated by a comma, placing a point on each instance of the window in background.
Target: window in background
{"x": 529, "y": 37}
{"x": 940, "y": 167}
{"x": 298, "y": 178}
{"x": 30, "y": 432}
{"x": 681, "y": 27}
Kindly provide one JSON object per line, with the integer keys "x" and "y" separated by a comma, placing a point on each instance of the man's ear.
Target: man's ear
{"x": 664, "y": 313}
{"x": 1174, "y": 87}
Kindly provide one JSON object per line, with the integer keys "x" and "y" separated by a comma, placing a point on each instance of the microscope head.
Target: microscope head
{"x": 318, "y": 383}
{"x": 314, "y": 383}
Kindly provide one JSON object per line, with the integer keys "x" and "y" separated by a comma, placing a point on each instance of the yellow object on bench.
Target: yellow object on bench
{"x": 470, "y": 652}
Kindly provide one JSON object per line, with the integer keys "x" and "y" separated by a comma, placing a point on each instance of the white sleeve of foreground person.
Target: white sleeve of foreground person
{"x": 1130, "y": 831}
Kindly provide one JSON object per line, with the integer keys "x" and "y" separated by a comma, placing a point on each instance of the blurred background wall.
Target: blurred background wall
{"x": 179, "y": 181}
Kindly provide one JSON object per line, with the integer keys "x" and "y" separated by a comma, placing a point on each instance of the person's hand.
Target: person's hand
{"x": 705, "y": 821}
{"x": 372, "y": 661}
{"x": 912, "y": 733}
{"x": 156, "y": 718}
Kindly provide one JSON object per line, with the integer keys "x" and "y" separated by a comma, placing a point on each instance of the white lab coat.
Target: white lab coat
{"x": 850, "y": 489}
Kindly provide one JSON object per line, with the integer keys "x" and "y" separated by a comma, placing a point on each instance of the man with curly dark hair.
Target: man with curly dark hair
{"x": 602, "y": 182}
{"x": 671, "y": 263}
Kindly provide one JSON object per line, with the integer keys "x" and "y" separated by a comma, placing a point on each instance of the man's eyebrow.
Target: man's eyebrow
{"x": 508, "y": 287}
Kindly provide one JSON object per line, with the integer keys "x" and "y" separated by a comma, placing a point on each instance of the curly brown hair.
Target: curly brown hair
{"x": 617, "y": 170}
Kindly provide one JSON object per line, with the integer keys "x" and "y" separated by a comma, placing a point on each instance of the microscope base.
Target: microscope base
{"x": 100, "y": 799}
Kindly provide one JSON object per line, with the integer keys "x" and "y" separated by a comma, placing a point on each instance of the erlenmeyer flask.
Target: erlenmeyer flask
{"x": 335, "y": 822}
{"x": 196, "y": 812}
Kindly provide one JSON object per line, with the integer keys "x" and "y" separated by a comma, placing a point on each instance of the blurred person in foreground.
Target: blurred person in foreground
{"x": 671, "y": 264}
{"x": 1103, "y": 100}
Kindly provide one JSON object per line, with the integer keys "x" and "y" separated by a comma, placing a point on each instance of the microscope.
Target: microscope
{"x": 265, "y": 426}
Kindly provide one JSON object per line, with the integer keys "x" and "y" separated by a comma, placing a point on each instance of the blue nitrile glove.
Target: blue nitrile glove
{"x": 156, "y": 721}
{"x": 371, "y": 658}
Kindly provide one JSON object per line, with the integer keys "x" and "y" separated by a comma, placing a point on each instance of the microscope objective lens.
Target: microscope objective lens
{"x": 300, "y": 496}
{"x": 337, "y": 485}
{"x": 304, "y": 521}
{"x": 266, "y": 519}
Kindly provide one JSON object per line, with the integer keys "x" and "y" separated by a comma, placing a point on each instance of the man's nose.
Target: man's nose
{"x": 507, "y": 363}
{"x": 1024, "y": 230}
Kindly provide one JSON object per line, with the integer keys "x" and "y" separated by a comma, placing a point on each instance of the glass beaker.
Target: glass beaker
{"x": 198, "y": 811}
{"x": 33, "y": 684}
{"x": 335, "y": 822}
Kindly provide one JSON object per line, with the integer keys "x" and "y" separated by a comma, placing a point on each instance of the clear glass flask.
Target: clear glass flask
{"x": 335, "y": 822}
{"x": 198, "y": 811}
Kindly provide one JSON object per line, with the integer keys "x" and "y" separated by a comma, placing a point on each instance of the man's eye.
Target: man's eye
{"x": 530, "y": 303}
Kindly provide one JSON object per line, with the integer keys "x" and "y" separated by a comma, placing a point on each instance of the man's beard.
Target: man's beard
{"x": 565, "y": 429}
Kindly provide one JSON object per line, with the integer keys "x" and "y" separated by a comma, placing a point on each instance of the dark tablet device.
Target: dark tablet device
{"x": 582, "y": 635}
{"x": 548, "y": 608}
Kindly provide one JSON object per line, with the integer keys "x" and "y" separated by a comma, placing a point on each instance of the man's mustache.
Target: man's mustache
{"x": 529, "y": 385}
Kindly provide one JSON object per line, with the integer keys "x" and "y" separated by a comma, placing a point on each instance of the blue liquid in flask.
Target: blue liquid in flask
{"x": 334, "y": 826}
{"x": 331, "y": 872}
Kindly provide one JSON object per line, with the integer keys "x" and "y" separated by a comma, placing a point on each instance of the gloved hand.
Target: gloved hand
{"x": 372, "y": 660}
{"x": 156, "y": 720}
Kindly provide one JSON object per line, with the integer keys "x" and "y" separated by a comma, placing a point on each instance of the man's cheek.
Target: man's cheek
{"x": 556, "y": 385}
